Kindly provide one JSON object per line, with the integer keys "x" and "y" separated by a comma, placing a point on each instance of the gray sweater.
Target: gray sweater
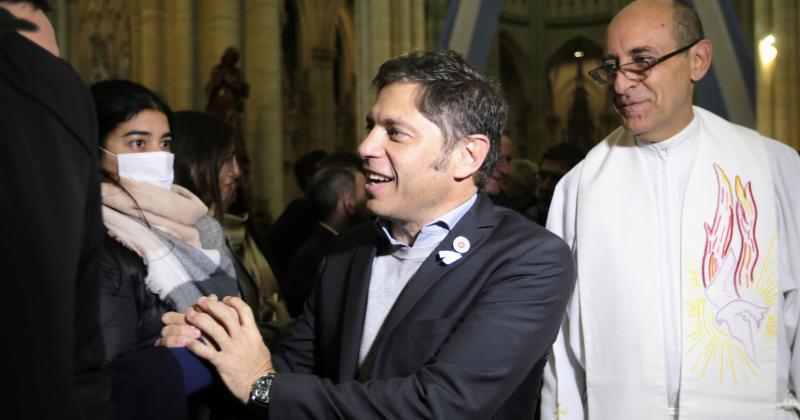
{"x": 390, "y": 273}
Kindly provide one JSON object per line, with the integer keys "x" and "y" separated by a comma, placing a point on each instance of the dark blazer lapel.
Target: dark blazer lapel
{"x": 355, "y": 307}
{"x": 475, "y": 226}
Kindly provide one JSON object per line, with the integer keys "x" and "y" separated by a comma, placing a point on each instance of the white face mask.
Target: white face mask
{"x": 151, "y": 167}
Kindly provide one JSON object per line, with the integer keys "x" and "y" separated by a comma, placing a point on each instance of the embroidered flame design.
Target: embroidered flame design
{"x": 746, "y": 215}
{"x": 720, "y": 232}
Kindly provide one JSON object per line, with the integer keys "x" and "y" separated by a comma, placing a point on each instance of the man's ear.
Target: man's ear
{"x": 470, "y": 154}
{"x": 700, "y": 59}
{"x": 348, "y": 204}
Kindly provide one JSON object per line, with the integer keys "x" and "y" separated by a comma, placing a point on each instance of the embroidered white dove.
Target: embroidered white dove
{"x": 739, "y": 317}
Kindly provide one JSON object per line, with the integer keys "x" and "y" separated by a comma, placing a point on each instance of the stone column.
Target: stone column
{"x": 374, "y": 40}
{"x": 262, "y": 123}
{"x": 318, "y": 23}
{"x": 147, "y": 22}
{"x": 322, "y": 112}
{"x": 379, "y": 38}
{"x": 401, "y": 11}
{"x": 778, "y": 83}
{"x": 179, "y": 75}
{"x": 60, "y": 19}
{"x": 220, "y": 28}
{"x": 408, "y": 29}
{"x": 537, "y": 114}
{"x": 787, "y": 108}
{"x": 417, "y": 24}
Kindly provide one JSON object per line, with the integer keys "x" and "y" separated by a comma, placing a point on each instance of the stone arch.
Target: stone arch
{"x": 579, "y": 110}
{"x": 316, "y": 23}
{"x": 513, "y": 79}
{"x": 318, "y": 42}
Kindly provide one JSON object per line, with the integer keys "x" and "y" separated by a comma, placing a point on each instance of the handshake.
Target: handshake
{"x": 225, "y": 334}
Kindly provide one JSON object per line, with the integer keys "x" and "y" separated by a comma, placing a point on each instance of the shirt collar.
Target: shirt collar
{"x": 433, "y": 233}
{"x": 688, "y": 132}
{"x": 329, "y": 229}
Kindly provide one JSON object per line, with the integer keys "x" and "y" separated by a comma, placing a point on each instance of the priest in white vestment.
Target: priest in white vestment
{"x": 686, "y": 233}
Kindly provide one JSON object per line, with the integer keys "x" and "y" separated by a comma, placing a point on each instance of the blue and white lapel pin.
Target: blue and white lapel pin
{"x": 460, "y": 246}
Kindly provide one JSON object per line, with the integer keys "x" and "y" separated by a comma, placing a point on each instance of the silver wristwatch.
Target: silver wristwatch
{"x": 260, "y": 392}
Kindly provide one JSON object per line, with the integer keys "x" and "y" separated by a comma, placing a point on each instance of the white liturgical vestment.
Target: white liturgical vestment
{"x": 686, "y": 300}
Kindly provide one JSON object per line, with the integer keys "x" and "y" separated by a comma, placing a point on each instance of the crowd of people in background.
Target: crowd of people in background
{"x": 414, "y": 277}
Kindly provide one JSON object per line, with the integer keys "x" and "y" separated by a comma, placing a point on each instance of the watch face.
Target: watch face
{"x": 261, "y": 393}
{"x": 261, "y": 389}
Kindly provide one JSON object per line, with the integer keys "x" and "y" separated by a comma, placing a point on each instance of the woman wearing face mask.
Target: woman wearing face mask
{"x": 207, "y": 163}
{"x": 162, "y": 251}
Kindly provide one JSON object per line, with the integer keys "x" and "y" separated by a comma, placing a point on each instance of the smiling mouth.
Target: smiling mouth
{"x": 373, "y": 178}
{"x": 628, "y": 106}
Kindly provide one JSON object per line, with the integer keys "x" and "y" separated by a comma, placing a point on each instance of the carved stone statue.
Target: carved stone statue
{"x": 227, "y": 89}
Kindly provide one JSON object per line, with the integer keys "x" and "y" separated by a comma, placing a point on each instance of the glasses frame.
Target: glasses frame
{"x": 611, "y": 71}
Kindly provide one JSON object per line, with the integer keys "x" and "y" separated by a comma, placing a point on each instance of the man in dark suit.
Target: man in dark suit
{"x": 337, "y": 193}
{"x": 52, "y": 230}
{"x": 295, "y": 224}
{"x": 445, "y": 308}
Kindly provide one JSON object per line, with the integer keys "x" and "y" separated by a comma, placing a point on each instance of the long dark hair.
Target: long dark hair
{"x": 201, "y": 143}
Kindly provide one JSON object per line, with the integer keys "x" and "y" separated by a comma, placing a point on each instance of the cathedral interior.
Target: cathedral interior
{"x": 309, "y": 64}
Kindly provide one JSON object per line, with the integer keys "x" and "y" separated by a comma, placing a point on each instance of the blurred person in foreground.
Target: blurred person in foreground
{"x": 53, "y": 230}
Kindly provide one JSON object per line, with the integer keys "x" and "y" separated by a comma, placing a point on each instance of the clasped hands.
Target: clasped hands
{"x": 230, "y": 340}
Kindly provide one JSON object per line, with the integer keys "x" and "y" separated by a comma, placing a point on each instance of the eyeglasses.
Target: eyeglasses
{"x": 636, "y": 70}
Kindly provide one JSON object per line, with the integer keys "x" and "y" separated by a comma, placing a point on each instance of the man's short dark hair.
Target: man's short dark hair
{"x": 452, "y": 95}
{"x": 346, "y": 159}
{"x": 567, "y": 152}
{"x": 686, "y": 25}
{"x": 327, "y": 186}
{"x": 44, "y": 5}
{"x": 306, "y": 166}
